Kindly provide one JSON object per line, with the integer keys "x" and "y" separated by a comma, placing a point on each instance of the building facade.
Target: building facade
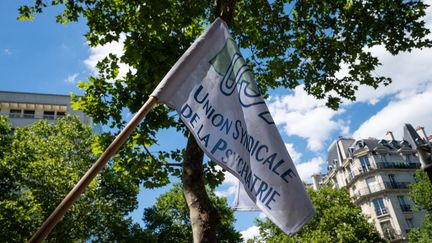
{"x": 377, "y": 173}
{"x": 25, "y": 108}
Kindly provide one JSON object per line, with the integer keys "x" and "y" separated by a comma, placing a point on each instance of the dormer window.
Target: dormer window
{"x": 359, "y": 144}
{"x": 404, "y": 143}
{"x": 350, "y": 151}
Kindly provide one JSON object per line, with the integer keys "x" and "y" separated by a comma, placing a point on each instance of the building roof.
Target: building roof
{"x": 35, "y": 98}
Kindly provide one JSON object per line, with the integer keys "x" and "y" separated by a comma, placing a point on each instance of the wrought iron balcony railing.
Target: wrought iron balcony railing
{"x": 396, "y": 185}
{"x": 381, "y": 211}
{"x": 402, "y": 165}
{"x": 380, "y": 187}
{"x": 380, "y": 165}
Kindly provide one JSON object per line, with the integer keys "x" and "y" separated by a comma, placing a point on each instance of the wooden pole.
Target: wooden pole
{"x": 78, "y": 189}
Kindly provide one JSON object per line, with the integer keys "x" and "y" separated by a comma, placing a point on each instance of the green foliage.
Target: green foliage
{"x": 337, "y": 220}
{"x": 40, "y": 164}
{"x": 289, "y": 43}
{"x": 421, "y": 194}
{"x": 168, "y": 220}
{"x": 421, "y": 191}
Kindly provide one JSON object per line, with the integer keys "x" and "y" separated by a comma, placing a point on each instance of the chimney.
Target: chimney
{"x": 390, "y": 136}
{"x": 421, "y": 132}
{"x": 316, "y": 179}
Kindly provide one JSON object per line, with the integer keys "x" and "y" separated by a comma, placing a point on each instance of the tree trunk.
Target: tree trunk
{"x": 204, "y": 217}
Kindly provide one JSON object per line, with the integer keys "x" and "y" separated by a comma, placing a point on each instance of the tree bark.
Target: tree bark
{"x": 204, "y": 217}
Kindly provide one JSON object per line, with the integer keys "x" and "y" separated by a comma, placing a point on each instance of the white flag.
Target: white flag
{"x": 242, "y": 201}
{"x": 216, "y": 96}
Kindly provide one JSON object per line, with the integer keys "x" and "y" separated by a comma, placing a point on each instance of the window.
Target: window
{"x": 48, "y": 115}
{"x": 401, "y": 200}
{"x": 392, "y": 179}
{"x": 403, "y": 205}
{"x": 372, "y": 184}
{"x": 349, "y": 174}
{"x": 379, "y": 207}
{"x": 354, "y": 190}
{"x": 14, "y": 113}
{"x": 408, "y": 158}
{"x": 387, "y": 230}
{"x": 382, "y": 158}
{"x": 364, "y": 161}
{"x": 29, "y": 114}
{"x": 409, "y": 222}
{"x": 60, "y": 114}
{"x": 335, "y": 182}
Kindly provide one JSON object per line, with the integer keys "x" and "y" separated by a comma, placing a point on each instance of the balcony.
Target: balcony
{"x": 357, "y": 171}
{"x": 365, "y": 191}
{"x": 399, "y": 165}
{"x": 396, "y": 185}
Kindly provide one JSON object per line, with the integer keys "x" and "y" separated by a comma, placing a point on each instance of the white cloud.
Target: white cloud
{"x": 250, "y": 233}
{"x": 295, "y": 156}
{"x": 305, "y": 169}
{"x": 7, "y": 52}
{"x": 100, "y": 52}
{"x": 230, "y": 183}
{"x": 415, "y": 109}
{"x": 302, "y": 115}
{"x": 410, "y": 71}
{"x": 308, "y": 168}
{"x": 231, "y": 190}
{"x": 71, "y": 78}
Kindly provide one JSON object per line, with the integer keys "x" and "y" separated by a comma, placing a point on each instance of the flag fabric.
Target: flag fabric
{"x": 242, "y": 201}
{"x": 213, "y": 90}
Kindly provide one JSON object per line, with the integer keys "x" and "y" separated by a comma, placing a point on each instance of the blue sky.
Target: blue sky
{"x": 43, "y": 56}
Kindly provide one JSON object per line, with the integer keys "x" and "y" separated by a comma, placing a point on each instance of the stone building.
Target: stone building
{"x": 25, "y": 108}
{"x": 377, "y": 173}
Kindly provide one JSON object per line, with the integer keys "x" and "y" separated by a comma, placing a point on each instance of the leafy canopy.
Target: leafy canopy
{"x": 168, "y": 220}
{"x": 421, "y": 194}
{"x": 40, "y": 164}
{"x": 337, "y": 220}
{"x": 288, "y": 43}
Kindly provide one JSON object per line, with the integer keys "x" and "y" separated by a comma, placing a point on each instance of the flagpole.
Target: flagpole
{"x": 78, "y": 189}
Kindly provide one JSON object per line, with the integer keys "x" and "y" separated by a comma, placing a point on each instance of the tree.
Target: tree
{"x": 421, "y": 194}
{"x": 168, "y": 220}
{"x": 338, "y": 219}
{"x": 289, "y": 43}
{"x": 40, "y": 164}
